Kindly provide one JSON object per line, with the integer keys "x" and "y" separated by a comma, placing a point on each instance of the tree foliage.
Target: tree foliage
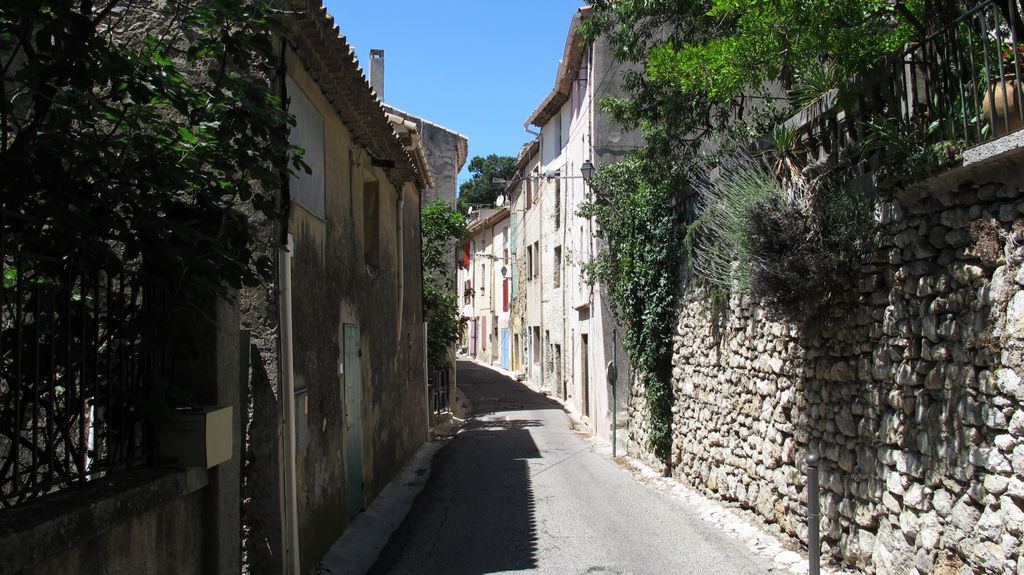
{"x": 482, "y": 189}
{"x": 442, "y": 227}
{"x": 708, "y": 65}
{"x": 711, "y": 77}
{"x": 141, "y": 131}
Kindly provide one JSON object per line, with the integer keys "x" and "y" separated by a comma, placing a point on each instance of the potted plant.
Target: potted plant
{"x": 1002, "y": 104}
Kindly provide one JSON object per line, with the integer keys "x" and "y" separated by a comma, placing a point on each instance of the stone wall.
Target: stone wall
{"x": 143, "y": 520}
{"x": 907, "y": 386}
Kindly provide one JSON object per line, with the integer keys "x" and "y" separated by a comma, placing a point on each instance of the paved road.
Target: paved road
{"x": 519, "y": 490}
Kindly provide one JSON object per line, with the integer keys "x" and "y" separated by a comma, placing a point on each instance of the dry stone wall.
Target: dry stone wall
{"x": 908, "y": 386}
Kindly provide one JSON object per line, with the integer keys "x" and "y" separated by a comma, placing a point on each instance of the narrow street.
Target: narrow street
{"x": 519, "y": 490}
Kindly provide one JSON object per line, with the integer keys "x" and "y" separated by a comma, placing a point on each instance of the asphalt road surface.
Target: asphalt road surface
{"x": 519, "y": 491}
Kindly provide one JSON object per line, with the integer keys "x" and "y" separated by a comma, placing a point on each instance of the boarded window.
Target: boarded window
{"x": 307, "y": 190}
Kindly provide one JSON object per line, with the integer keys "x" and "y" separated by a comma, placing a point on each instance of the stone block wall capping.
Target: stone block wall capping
{"x": 40, "y": 529}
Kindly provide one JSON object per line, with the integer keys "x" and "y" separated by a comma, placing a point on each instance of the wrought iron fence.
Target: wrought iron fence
{"x": 957, "y": 85}
{"x": 72, "y": 361}
{"x": 438, "y": 389}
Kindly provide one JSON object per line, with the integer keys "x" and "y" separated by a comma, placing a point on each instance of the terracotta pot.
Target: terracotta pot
{"x": 1001, "y": 106}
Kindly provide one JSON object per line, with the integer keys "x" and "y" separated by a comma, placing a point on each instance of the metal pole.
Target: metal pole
{"x": 614, "y": 377}
{"x": 813, "y": 517}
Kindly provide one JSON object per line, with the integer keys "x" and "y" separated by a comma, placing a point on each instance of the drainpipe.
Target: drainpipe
{"x": 400, "y": 204}
{"x": 290, "y": 535}
{"x": 426, "y": 385}
{"x": 288, "y": 416}
{"x": 409, "y": 135}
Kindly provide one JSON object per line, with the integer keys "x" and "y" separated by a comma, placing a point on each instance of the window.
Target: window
{"x": 556, "y": 125}
{"x": 557, "y": 271}
{"x": 371, "y": 223}
{"x": 558, "y": 203}
{"x": 536, "y": 259}
{"x": 558, "y": 364}
{"x": 529, "y": 192}
{"x": 535, "y": 344}
{"x": 550, "y": 367}
{"x": 504, "y": 280}
{"x": 529, "y": 262}
{"x": 307, "y": 190}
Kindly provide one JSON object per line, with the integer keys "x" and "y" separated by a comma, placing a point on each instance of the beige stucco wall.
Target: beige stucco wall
{"x": 333, "y": 285}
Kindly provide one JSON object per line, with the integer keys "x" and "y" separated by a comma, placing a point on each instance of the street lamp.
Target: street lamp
{"x": 504, "y": 271}
{"x": 587, "y": 169}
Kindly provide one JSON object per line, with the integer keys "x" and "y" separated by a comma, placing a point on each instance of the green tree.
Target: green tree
{"x": 442, "y": 227}
{"x": 482, "y": 189}
{"x": 706, "y": 80}
{"x": 133, "y": 132}
{"x": 713, "y": 67}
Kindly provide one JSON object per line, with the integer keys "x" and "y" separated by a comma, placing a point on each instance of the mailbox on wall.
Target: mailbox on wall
{"x": 196, "y": 437}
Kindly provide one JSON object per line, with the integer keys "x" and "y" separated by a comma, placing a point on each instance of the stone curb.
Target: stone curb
{"x": 359, "y": 547}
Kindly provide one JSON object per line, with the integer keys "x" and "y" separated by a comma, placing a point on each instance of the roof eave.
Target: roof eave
{"x": 567, "y": 68}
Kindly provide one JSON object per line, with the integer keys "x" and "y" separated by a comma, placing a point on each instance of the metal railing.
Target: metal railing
{"x": 962, "y": 79}
{"x": 72, "y": 359}
{"x": 958, "y": 85}
{"x": 438, "y": 389}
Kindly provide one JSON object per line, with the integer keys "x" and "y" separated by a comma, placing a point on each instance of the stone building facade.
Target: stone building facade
{"x": 568, "y": 331}
{"x": 908, "y": 387}
{"x": 337, "y": 386}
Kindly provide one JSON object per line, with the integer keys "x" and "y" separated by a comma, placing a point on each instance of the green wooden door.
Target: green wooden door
{"x": 353, "y": 419}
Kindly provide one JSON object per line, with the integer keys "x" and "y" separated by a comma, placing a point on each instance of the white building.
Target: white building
{"x": 484, "y": 288}
{"x": 564, "y": 325}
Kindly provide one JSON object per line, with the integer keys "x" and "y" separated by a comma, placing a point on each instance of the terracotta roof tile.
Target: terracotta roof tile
{"x": 333, "y": 64}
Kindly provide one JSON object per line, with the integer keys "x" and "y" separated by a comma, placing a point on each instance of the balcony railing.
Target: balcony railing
{"x": 957, "y": 85}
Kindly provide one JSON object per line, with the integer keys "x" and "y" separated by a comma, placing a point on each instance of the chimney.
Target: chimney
{"x": 377, "y": 72}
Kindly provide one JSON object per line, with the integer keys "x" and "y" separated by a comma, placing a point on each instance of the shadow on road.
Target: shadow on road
{"x": 491, "y": 392}
{"x": 477, "y": 513}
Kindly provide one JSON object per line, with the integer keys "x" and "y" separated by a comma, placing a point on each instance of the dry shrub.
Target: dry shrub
{"x": 987, "y": 235}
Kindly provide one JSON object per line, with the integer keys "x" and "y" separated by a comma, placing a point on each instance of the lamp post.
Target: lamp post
{"x": 587, "y": 170}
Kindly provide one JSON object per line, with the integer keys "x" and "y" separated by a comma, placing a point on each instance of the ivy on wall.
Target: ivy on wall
{"x": 639, "y": 267}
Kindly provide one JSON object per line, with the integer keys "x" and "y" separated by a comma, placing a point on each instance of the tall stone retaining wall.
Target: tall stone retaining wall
{"x": 908, "y": 387}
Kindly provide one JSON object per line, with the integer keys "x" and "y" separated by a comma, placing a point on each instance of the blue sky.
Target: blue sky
{"x": 478, "y": 67}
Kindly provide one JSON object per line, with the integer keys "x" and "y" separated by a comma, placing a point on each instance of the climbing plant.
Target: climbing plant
{"x": 442, "y": 227}
{"x": 639, "y": 266}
